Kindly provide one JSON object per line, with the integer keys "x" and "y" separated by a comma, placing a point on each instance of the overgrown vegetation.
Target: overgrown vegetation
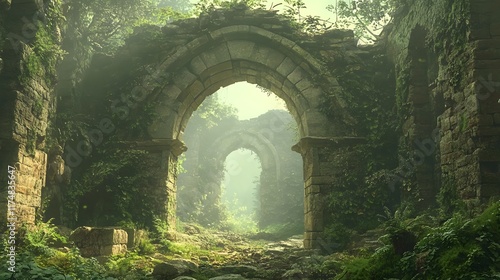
{"x": 458, "y": 249}
{"x": 38, "y": 259}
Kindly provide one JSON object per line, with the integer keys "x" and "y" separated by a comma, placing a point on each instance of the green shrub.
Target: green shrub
{"x": 459, "y": 249}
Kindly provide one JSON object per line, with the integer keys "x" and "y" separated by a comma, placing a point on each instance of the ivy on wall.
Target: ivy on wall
{"x": 361, "y": 190}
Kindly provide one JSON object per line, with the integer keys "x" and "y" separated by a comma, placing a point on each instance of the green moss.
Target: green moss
{"x": 45, "y": 52}
{"x": 31, "y": 142}
{"x": 33, "y": 68}
{"x": 38, "y": 107}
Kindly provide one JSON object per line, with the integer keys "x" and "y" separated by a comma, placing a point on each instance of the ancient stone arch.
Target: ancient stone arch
{"x": 238, "y": 51}
{"x": 260, "y": 145}
{"x": 241, "y": 53}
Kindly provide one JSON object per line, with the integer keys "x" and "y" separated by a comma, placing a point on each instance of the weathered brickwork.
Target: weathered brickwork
{"x": 26, "y": 101}
{"x": 96, "y": 242}
{"x": 485, "y": 42}
{"x": 449, "y": 97}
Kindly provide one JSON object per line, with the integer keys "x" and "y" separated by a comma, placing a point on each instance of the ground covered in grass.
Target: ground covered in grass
{"x": 416, "y": 248}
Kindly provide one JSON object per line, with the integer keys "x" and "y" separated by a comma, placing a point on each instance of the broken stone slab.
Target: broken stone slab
{"x": 95, "y": 242}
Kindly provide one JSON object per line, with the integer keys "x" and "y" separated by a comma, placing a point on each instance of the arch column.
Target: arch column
{"x": 163, "y": 191}
{"x": 317, "y": 154}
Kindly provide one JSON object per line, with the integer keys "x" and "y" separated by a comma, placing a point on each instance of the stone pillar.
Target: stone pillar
{"x": 163, "y": 193}
{"x": 318, "y": 181}
{"x": 26, "y": 100}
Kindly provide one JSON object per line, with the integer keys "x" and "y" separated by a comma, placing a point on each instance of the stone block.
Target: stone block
{"x": 94, "y": 242}
{"x": 111, "y": 250}
{"x": 286, "y": 67}
{"x": 184, "y": 78}
{"x": 319, "y": 180}
{"x": 297, "y": 75}
{"x": 266, "y": 56}
{"x": 135, "y": 237}
{"x": 216, "y": 56}
{"x": 240, "y": 49}
{"x": 304, "y": 85}
{"x": 197, "y": 66}
{"x": 198, "y": 42}
{"x": 224, "y": 66}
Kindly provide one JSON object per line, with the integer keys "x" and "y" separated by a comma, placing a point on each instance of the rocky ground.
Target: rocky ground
{"x": 200, "y": 254}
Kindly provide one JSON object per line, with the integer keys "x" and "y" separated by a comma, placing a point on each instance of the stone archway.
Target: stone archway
{"x": 260, "y": 145}
{"x": 203, "y": 58}
{"x": 241, "y": 53}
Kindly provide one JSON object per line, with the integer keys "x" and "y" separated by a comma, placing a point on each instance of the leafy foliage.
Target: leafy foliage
{"x": 458, "y": 249}
{"x": 111, "y": 189}
{"x": 105, "y": 24}
{"x": 205, "y": 6}
{"x": 367, "y": 17}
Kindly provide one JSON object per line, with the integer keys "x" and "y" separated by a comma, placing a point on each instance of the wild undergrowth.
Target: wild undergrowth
{"x": 459, "y": 248}
{"x": 37, "y": 257}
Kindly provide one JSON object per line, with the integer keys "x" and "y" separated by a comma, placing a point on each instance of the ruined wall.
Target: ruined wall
{"x": 485, "y": 42}
{"x": 447, "y": 100}
{"x": 27, "y": 102}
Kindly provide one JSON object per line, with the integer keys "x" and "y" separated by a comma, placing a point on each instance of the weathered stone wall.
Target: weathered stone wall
{"x": 485, "y": 71}
{"x": 26, "y": 102}
{"x": 448, "y": 98}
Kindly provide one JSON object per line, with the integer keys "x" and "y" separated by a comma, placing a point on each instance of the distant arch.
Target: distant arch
{"x": 265, "y": 151}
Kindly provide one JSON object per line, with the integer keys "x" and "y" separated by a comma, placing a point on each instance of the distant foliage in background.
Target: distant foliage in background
{"x": 366, "y": 17}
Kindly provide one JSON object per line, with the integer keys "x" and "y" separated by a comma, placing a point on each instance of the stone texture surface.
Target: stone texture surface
{"x": 26, "y": 101}
{"x": 94, "y": 242}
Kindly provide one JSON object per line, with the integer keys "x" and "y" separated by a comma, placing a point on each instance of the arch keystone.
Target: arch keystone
{"x": 240, "y": 49}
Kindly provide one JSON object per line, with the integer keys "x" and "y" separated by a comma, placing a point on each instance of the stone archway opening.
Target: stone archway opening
{"x": 269, "y": 135}
{"x": 226, "y": 55}
{"x": 240, "y": 190}
{"x": 426, "y": 104}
